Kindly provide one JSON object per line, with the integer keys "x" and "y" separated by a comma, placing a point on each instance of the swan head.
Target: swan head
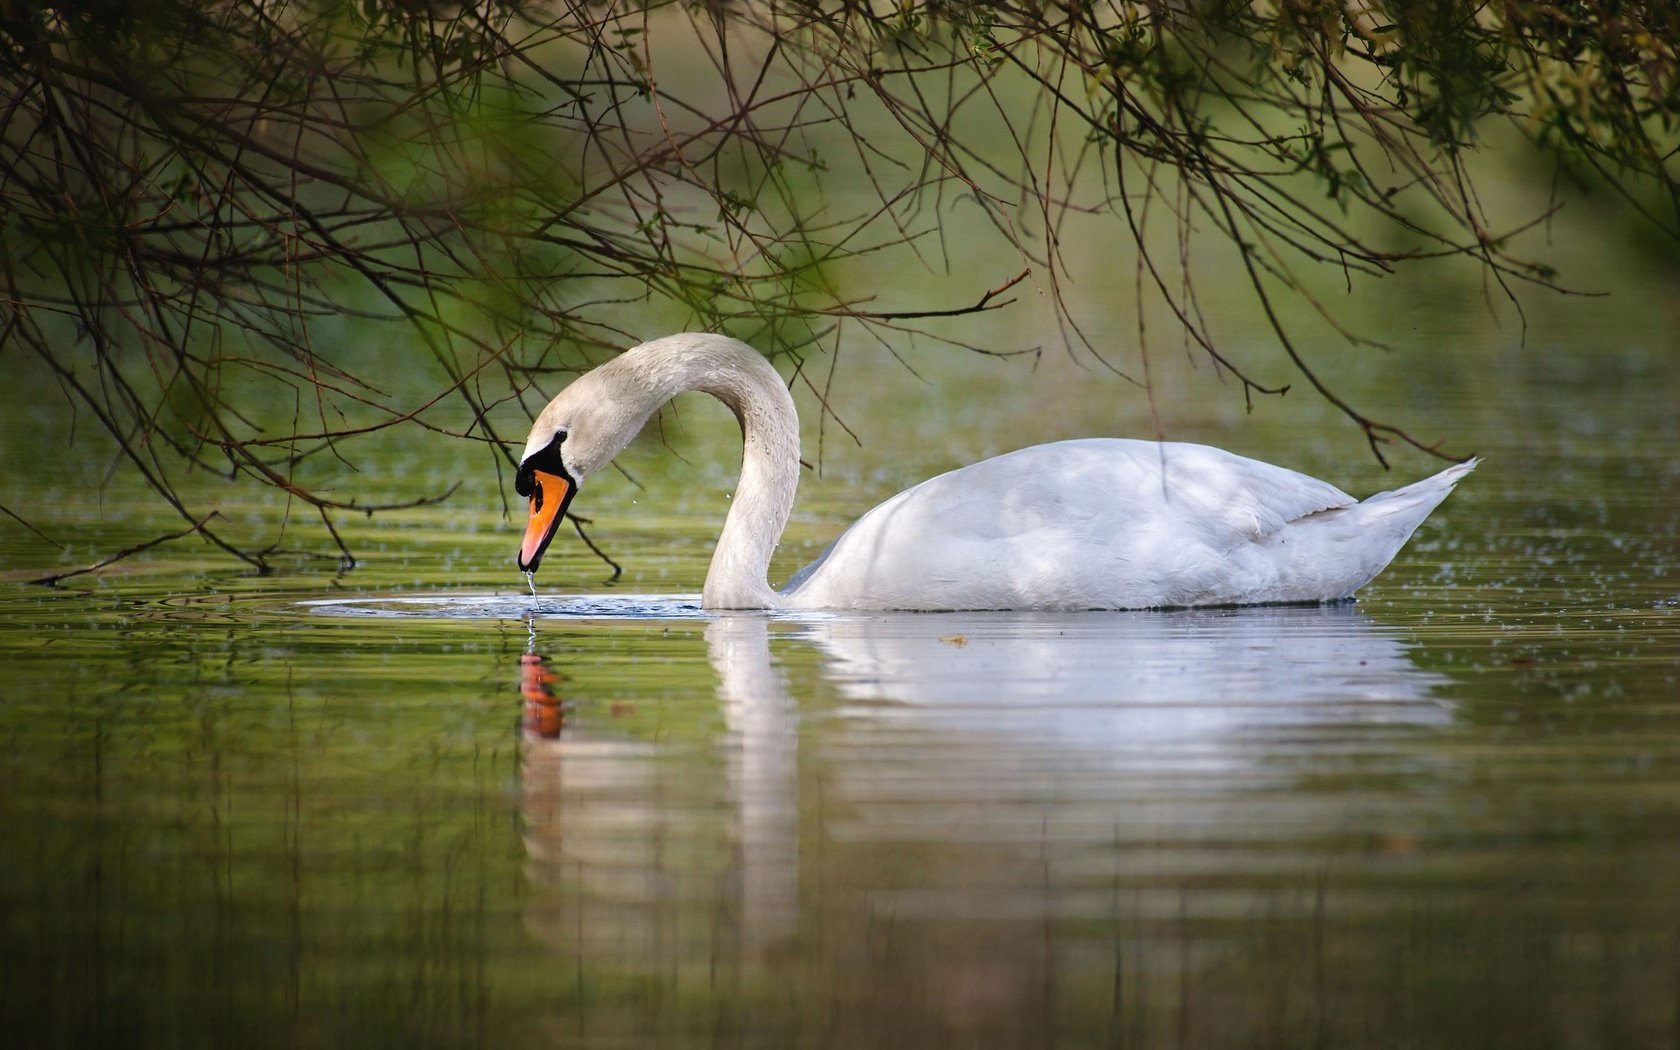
{"x": 578, "y": 433}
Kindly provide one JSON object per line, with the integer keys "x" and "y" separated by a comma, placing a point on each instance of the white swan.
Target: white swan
{"x": 1098, "y": 523}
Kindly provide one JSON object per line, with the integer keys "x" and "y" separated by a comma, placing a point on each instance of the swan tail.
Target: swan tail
{"x": 1417, "y": 500}
{"x": 1335, "y": 552}
{"x": 1399, "y": 512}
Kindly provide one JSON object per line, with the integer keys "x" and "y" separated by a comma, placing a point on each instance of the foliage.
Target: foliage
{"x": 221, "y": 221}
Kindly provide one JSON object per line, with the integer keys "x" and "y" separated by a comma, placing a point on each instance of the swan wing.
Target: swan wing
{"x": 1097, "y": 523}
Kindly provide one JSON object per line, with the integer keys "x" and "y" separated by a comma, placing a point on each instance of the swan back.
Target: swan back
{"x": 1108, "y": 523}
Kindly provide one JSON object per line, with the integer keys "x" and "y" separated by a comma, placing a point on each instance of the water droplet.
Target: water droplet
{"x": 531, "y": 581}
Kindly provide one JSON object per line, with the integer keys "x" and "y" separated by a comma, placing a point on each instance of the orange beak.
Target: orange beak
{"x": 549, "y": 495}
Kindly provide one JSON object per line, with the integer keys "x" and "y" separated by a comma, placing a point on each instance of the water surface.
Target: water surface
{"x": 413, "y": 805}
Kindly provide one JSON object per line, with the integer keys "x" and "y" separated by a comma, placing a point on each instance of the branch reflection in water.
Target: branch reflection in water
{"x": 965, "y": 802}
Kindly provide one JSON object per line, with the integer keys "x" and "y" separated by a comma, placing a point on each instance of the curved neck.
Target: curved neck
{"x": 741, "y": 378}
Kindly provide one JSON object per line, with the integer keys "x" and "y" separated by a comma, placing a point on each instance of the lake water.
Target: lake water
{"x": 411, "y": 805}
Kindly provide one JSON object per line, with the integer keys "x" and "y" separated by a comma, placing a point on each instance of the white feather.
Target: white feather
{"x": 1100, "y": 523}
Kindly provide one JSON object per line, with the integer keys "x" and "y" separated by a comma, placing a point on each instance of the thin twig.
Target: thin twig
{"x": 195, "y": 527}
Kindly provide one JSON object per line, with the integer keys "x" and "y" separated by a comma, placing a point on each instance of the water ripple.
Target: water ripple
{"x": 513, "y": 606}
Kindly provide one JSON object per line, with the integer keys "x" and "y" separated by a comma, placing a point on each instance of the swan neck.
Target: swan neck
{"x": 741, "y": 378}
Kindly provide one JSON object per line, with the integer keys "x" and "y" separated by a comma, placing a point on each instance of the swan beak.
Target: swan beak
{"x": 550, "y": 493}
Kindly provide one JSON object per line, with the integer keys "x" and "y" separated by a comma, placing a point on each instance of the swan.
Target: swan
{"x": 1094, "y": 523}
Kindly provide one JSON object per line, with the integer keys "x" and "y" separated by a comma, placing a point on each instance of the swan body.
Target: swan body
{"x": 1098, "y": 523}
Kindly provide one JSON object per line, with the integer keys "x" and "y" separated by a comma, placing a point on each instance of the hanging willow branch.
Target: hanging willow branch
{"x": 207, "y": 205}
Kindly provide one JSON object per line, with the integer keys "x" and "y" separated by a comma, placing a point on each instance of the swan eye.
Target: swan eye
{"x": 549, "y": 459}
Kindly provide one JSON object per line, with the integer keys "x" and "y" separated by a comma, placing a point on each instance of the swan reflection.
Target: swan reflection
{"x": 1001, "y": 771}
{"x": 544, "y": 706}
{"x": 640, "y": 852}
{"x": 1125, "y": 684}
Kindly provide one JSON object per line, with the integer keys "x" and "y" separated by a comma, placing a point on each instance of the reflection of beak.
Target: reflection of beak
{"x": 549, "y": 495}
{"x": 544, "y": 714}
